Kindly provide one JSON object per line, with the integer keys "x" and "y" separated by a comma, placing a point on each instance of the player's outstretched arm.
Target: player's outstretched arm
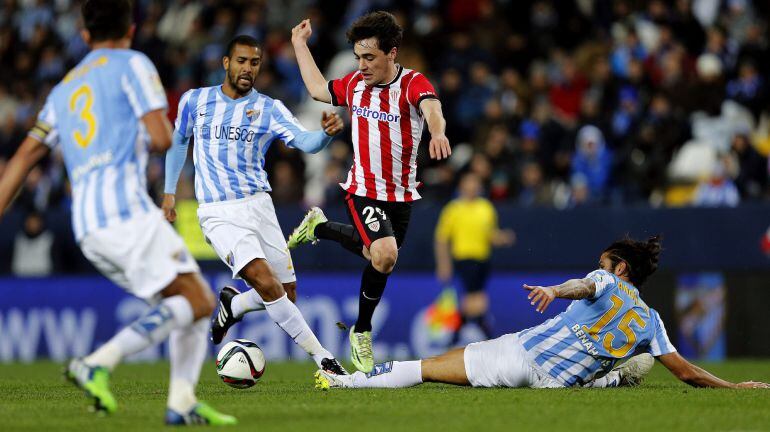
{"x": 698, "y": 377}
{"x": 311, "y": 75}
{"x": 331, "y": 123}
{"x": 315, "y": 141}
{"x": 439, "y": 144}
{"x": 574, "y": 289}
{"x": 27, "y": 156}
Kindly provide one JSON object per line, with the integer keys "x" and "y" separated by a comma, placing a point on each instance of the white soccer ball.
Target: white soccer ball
{"x": 240, "y": 363}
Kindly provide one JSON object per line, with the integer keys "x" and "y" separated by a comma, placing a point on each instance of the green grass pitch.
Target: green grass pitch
{"x": 33, "y": 397}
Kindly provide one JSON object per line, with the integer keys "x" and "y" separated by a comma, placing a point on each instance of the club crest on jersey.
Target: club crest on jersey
{"x": 252, "y": 113}
{"x": 374, "y": 226}
{"x": 395, "y": 94}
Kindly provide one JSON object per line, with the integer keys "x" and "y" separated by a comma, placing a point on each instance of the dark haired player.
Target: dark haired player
{"x": 104, "y": 115}
{"x": 388, "y": 104}
{"x": 234, "y": 125}
{"x": 607, "y": 322}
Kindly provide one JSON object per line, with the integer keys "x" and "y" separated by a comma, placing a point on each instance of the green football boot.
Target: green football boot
{"x": 305, "y": 232}
{"x": 361, "y": 350}
{"x": 95, "y": 381}
{"x": 200, "y": 414}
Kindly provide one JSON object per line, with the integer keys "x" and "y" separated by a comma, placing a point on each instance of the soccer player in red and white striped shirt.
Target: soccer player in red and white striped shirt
{"x": 388, "y": 105}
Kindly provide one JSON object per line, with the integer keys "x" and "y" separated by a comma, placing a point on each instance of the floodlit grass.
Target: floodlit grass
{"x": 35, "y": 397}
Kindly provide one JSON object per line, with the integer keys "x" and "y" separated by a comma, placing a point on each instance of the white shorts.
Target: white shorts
{"x": 246, "y": 229}
{"x": 502, "y": 362}
{"x": 143, "y": 254}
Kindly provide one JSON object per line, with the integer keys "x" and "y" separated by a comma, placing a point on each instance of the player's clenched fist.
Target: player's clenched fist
{"x": 301, "y": 32}
{"x": 543, "y": 296}
{"x": 331, "y": 123}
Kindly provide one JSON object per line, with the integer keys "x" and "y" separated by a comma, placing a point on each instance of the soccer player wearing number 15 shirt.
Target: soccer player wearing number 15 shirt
{"x": 607, "y": 322}
{"x": 388, "y": 105}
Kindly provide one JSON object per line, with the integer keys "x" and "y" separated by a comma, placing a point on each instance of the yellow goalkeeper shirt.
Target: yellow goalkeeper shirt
{"x": 468, "y": 225}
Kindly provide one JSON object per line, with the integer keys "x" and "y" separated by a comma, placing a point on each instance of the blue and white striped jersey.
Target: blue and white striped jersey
{"x": 585, "y": 341}
{"x": 232, "y": 137}
{"x": 95, "y": 114}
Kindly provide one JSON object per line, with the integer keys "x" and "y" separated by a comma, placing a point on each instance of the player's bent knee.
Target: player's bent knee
{"x": 197, "y": 292}
{"x": 258, "y": 275}
{"x": 291, "y": 291}
{"x": 268, "y": 287}
{"x": 384, "y": 259}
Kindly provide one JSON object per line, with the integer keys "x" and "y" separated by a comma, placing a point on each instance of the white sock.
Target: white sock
{"x": 187, "y": 351}
{"x": 612, "y": 379}
{"x": 246, "y": 302}
{"x": 288, "y": 317}
{"x": 392, "y": 374}
{"x": 153, "y": 327}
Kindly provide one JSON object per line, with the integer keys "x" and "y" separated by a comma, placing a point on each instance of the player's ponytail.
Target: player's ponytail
{"x": 641, "y": 257}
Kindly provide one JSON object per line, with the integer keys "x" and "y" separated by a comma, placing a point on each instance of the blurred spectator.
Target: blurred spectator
{"x": 592, "y": 163}
{"x": 32, "y": 248}
{"x": 475, "y": 95}
{"x": 748, "y": 89}
{"x": 752, "y": 177}
{"x": 644, "y": 156}
{"x": 177, "y": 22}
{"x": 708, "y": 92}
{"x": 534, "y": 192}
{"x": 567, "y": 91}
{"x": 719, "y": 190}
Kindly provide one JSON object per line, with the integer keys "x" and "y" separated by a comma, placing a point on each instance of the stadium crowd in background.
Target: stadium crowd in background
{"x": 551, "y": 103}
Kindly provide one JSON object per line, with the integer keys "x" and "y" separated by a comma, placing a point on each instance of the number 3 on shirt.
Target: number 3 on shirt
{"x": 84, "y": 92}
{"x": 624, "y": 326}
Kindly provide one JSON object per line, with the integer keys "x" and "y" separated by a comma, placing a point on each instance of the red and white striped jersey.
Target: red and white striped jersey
{"x": 387, "y": 126}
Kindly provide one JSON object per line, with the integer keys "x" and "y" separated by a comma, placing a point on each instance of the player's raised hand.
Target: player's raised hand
{"x": 169, "y": 202}
{"x": 543, "y": 296}
{"x": 753, "y": 385}
{"x": 301, "y": 32}
{"x": 331, "y": 123}
{"x": 439, "y": 147}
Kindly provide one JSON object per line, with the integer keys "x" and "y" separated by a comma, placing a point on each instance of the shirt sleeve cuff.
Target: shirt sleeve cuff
{"x": 330, "y": 87}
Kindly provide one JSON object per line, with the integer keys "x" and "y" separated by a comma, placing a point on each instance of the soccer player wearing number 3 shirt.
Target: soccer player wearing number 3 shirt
{"x": 606, "y": 323}
{"x": 387, "y": 104}
{"x": 104, "y": 116}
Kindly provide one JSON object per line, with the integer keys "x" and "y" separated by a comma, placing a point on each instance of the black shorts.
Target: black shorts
{"x": 473, "y": 274}
{"x": 375, "y": 219}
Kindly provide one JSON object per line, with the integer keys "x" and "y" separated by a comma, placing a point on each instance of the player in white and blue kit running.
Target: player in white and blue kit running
{"x": 233, "y": 126}
{"x": 606, "y": 323}
{"x": 103, "y": 116}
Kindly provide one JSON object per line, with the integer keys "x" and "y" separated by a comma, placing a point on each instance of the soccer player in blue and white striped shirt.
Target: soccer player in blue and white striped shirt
{"x": 607, "y": 322}
{"x": 233, "y": 126}
{"x": 103, "y": 116}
